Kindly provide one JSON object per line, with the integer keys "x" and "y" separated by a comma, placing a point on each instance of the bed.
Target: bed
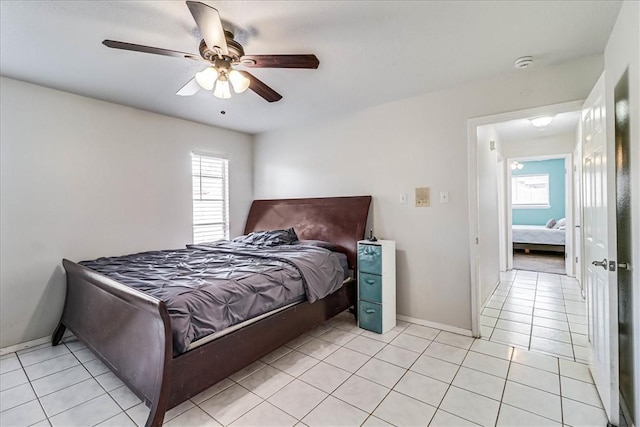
{"x": 538, "y": 237}
{"x": 131, "y": 331}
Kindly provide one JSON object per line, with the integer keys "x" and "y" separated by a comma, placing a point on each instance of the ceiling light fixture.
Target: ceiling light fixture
{"x": 516, "y": 165}
{"x": 239, "y": 82}
{"x": 207, "y": 78}
{"x": 541, "y": 122}
{"x": 222, "y": 90}
{"x": 219, "y": 76}
{"x": 523, "y": 62}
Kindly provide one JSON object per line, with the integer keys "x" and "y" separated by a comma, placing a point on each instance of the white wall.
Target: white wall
{"x": 548, "y": 145}
{"x": 622, "y": 53}
{"x": 488, "y": 212}
{"x": 83, "y": 178}
{"x": 393, "y": 148}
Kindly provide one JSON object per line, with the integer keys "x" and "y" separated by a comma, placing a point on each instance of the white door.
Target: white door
{"x": 603, "y": 356}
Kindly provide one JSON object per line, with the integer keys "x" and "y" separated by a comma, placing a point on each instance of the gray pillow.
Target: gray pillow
{"x": 550, "y": 223}
{"x": 319, "y": 243}
{"x": 269, "y": 238}
{"x": 562, "y": 222}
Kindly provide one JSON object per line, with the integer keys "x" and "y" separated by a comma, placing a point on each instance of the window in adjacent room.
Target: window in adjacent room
{"x": 210, "y": 198}
{"x": 530, "y": 191}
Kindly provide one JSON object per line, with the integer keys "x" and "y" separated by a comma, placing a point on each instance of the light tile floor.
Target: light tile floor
{"x": 538, "y": 311}
{"x": 335, "y": 375}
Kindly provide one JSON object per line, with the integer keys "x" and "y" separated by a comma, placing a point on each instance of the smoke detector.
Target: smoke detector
{"x": 523, "y": 62}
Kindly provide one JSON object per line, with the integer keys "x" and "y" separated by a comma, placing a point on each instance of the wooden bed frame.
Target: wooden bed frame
{"x": 131, "y": 331}
{"x": 539, "y": 247}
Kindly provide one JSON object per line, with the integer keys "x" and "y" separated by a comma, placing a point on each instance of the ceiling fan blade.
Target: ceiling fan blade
{"x": 208, "y": 21}
{"x": 280, "y": 61}
{"x": 261, "y": 88}
{"x": 191, "y": 88}
{"x": 148, "y": 49}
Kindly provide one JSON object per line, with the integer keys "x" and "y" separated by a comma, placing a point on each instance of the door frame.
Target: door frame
{"x": 568, "y": 207}
{"x": 578, "y": 250}
{"x": 502, "y": 213}
{"x": 472, "y": 184}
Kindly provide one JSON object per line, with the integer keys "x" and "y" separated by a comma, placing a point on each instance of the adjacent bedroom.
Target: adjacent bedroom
{"x": 539, "y": 223}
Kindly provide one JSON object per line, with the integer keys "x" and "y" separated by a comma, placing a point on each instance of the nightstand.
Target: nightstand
{"x": 377, "y": 285}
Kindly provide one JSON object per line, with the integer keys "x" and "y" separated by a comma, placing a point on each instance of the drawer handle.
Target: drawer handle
{"x": 370, "y": 281}
{"x": 369, "y": 310}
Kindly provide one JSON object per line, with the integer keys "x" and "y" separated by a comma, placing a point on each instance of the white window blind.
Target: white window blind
{"x": 530, "y": 191}
{"x": 210, "y": 198}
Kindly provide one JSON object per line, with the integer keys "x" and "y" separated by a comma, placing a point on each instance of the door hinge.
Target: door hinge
{"x": 576, "y": 260}
{"x": 477, "y": 240}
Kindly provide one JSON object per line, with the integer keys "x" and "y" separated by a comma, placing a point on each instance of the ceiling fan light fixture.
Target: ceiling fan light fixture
{"x": 222, "y": 90}
{"x": 239, "y": 82}
{"x": 207, "y": 78}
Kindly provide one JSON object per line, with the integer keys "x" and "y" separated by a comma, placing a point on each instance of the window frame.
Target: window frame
{"x": 515, "y": 205}
{"x": 216, "y": 160}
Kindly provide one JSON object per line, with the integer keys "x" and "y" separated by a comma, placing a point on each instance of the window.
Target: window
{"x": 530, "y": 191}
{"x": 210, "y": 198}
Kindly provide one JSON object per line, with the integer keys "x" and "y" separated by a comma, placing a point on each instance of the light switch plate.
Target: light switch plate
{"x": 422, "y": 197}
{"x": 403, "y": 198}
{"x": 444, "y": 197}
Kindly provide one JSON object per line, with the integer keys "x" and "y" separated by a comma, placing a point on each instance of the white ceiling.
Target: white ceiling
{"x": 370, "y": 52}
{"x": 523, "y": 130}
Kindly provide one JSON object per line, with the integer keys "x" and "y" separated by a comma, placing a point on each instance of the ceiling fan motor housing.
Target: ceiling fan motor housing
{"x": 235, "y": 49}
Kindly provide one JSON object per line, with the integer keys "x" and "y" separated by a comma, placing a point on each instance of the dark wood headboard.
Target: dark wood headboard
{"x": 339, "y": 220}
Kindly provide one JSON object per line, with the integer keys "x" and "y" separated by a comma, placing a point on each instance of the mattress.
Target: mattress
{"x": 208, "y": 288}
{"x": 538, "y": 235}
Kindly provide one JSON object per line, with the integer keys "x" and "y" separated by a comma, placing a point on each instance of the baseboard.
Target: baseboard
{"x": 436, "y": 325}
{"x": 24, "y": 345}
{"x": 32, "y": 343}
{"x": 484, "y": 304}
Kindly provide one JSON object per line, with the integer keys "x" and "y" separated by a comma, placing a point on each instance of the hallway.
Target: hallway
{"x": 540, "y": 312}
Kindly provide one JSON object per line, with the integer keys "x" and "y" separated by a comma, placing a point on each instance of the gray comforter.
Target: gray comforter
{"x": 208, "y": 288}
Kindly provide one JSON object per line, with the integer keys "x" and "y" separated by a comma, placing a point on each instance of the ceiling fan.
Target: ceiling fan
{"x": 219, "y": 49}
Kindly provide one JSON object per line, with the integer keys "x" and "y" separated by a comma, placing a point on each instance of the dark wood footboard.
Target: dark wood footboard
{"x": 202, "y": 367}
{"x": 131, "y": 333}
{"x": 127, "y": 329}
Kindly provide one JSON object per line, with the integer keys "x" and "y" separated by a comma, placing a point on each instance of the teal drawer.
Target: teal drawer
{"x": 370, "y": 259}
{"x": 370, "y": 316}
{"x": 370, "y": 287}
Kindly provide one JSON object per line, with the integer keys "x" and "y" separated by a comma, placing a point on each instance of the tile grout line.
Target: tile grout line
{"x": 533, "y": 311}
{"x": 298, "y": 378}
{"x": 399, "y": 379}
{"x": 504, "y": 388}
{"x": 34, "y": 393}
{"x": 449, "y": 388}
{"x": 93, "y": 377}
{"x": 500, "y": 312}
{"x": 369, "y": 415}
{"x": 560, "y": 388}
{"x": 573, "y": 351}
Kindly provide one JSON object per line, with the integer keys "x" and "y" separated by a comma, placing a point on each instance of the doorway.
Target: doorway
{"x": 482, "y": 241}
{"x": 534, "y": 308}
{"x": 540, "y": 208}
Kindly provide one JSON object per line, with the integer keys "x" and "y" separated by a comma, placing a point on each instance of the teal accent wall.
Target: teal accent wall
{"x": 557, "y": 192}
